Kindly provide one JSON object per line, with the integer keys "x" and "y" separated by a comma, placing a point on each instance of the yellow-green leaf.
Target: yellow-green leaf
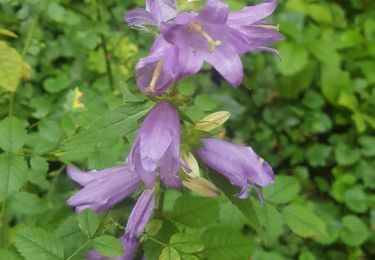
{"x": 11, "y": 67}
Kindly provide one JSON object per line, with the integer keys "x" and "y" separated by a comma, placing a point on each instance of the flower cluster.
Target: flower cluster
{"x": 185, "y": 41}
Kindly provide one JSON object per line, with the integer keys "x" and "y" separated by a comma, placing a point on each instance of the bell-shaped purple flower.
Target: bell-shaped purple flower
{"x": 102, "y": 189}
{"x": 139, "y": 217}
{"x": 219, "y": 37}
{"x": 156, "y": 12}
{"x": 159, "y": 70}
{"x": 157, "y": 147}
{"x": 241, "y": 165}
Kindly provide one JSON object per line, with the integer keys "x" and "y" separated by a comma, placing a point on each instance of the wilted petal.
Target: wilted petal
{"x": 252, "y": 14}
{"x": 202, "y": 187}
{"x": 102, "y": 193}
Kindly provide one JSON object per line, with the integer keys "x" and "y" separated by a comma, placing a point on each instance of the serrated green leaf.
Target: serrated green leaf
{"x": 11, "y": 66}
{"x": 13, "y": 174}
{"x": 38, "y": 244}
{"x": 12, "y": 134}
{"x": 284, "y": 189}
{"x": 70, "y": 235}
{"x": 88, "y": 222}
{"x": 195, "y": 211}
{"x": 8, "y": 255}
{"x": 303, "y": 221}
{"x": 226, "y": 244}
{"x": 27, "y": 204}
{"x": 186, "y": 243}
{"x": 244, "y": 205}
{"x": 116, "y": 123}
{"x": 169, "y": 253}
{"x": 108, "y": 246}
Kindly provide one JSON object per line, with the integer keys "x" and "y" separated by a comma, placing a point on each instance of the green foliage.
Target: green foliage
{"x": 37, "y": 243}
{"x": 311, "y": 115}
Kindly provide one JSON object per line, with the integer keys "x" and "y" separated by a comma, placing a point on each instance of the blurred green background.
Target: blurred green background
{"x": 311, "y": 115}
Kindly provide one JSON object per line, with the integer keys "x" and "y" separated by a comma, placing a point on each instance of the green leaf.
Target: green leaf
{"x": 169, "y": 253}
{"x": 225, "y": 244}
{"x": 272, "y": 222}
{"x": 355, "y": 199}
{"x": 186, "y": 243}
{"x": 11, "y": 67}
{"x": 303, "y": 221}
{"x": 295, "y": 58}
{"x": 12, "y": 134}
{"x": 70, "y": 235}
{"x": 27, "y": 203}
{"x": 244, "y": 205}
{"x": 108, "y": 246}
{"x": 116, "y": 123}
{"x": 346, "y": 155}
{"x": 355, "y": 232}
{"x": 13, "y": 174}
{"x": 153, "y": 227}
{"x": 284, "y": 190}
{"x": 8, "y": 255}
{"x": 195, "y": 211}
{"x": 88, "y": 222}
{"x": 333, "y": 81}
{"x": 38, "y": 244}
{"x": 318, "y": 154}
{"x": 368, "y": 145}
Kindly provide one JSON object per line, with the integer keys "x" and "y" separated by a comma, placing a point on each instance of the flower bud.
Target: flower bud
{"x": 202, "y": 186}
{"x": 212, "y": 121}
{"x": 192, "y": 163}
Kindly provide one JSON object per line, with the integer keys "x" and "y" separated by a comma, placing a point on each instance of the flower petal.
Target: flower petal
{"x": 169, "y": 166}
{"x": 214, "y": 11}
{"x": 84, "y": 178}
{"x": 103, "y": 193}
{"x": 139, "y": 18}
{"x": 252, "y": 14}
{"x": 162, "y": 10}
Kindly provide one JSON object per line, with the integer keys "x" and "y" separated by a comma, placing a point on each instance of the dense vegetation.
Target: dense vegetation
{"x": 310, "y": 115}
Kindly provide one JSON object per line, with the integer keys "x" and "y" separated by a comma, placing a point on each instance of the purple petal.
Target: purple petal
{"x": 162, "y": 10}
{"x": 84, "y": 178}
{"x": 167, "y": 55}
{"x": 214, "y": 11}
{"x": 169, "y": 166}
{"x": 227, "y": 62}
{"x": 241, "y": 165}
{"x": 156, "y": 134}
{"x": 102, "y": 193}
{"x": 139, "y": 18}
{"x": 141, "y": 214}
{"x": 252, "y": 14}
{"x": 130, "y": 250}
{"x": 275, "y": 52}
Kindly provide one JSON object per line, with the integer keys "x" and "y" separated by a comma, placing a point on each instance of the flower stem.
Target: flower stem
{"x": 79, "y": 249}
{"x": 161, "y": 201}
{"x": 3, "y": 223}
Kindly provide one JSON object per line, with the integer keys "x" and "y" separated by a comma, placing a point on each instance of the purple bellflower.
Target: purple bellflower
{"x": 214, "y": 35}
{"x": 157, "y": 147}
{"x": 102, "y": 189}
{"x": 241, "y": 165}
{"x": 139, "y": 217}
{"x": 219, "y": 37}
